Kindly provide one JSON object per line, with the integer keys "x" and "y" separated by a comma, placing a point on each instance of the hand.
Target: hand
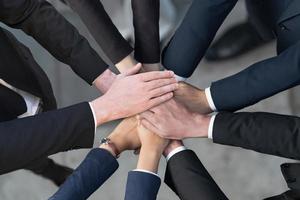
{"x": 151, "y": 140}
{"x": 125, "y": 136}
{"x": 131, "y": 94}
{"x": 193, "y": 98}
{"x": 174, "y": 121}
{"x": 151, "y": 150}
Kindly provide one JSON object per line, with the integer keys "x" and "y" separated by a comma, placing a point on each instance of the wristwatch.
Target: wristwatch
{"x": 108, "y": 142}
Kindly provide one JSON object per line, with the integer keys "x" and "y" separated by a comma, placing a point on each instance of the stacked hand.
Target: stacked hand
{"x": 132, "y": 93}
{"x": 193, "y": 98}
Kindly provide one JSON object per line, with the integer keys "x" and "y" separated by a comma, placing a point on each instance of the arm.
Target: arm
{"x": 188, "y": 178}
{"x": 194, "y": 35}
{"x": 143, "y": 183}
{"x": 257, "y": 82}
{"x": 100, "y": 163}
{"x": 263, "y": 132}
{"x": 102, "y": 29}
{"x": 41, "y": 21}
{"x": 146, "y": 30}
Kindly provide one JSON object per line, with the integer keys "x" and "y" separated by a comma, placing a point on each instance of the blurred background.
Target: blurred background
{"x": 240, "y": 173}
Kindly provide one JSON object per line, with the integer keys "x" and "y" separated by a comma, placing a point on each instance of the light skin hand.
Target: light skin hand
{"x": 193, "y": 98}
{"x": 151, "y": 150}
{"x": 124, "y": 137}
{"x": 171, "y": 146}
{"x": 133, "y": 93}
{"x": 174, "y": 121}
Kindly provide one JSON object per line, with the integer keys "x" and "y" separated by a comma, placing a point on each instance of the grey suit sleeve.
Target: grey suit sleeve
{"x": 42, "y": 21}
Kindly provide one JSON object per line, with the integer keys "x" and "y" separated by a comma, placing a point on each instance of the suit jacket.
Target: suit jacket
{"x": 145, "y": 21}
{"x": 263, "y": 132}
{"x": 41, "y": 21}
{"x": 95, "y": 169}
{"x": 22, "y": 141}
{"x": 142, "y": 186}
{"x": 259, "y": 81}
{"x": 189, "y": 179}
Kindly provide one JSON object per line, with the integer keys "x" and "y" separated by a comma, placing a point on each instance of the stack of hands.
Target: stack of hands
{"x": 156, "y": 105}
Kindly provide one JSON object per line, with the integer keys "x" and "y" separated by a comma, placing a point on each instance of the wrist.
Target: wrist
{"x": 101, "y": 109}
{"x": 201, "y": 125}
{"x": 174, "y": 144}
{"x": 109, "y": 149}
{"x": 104, "y": 81}
{"x": 204, "y": 102}
{"x": 149, "y": 159}
{"x": 126, "y": 63}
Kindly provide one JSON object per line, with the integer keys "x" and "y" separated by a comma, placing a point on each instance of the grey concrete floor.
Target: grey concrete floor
{"x": 242, "y": 174}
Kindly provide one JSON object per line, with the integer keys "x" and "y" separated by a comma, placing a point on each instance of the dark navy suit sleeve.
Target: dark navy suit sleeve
{"x": 194, "y": 35}
{"x": 259, "y": 81}
{"x": 142, "y": 186}
{"x": 96, "y": 168}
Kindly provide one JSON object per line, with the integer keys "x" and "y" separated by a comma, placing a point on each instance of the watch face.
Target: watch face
{"x": 105, "y": 141}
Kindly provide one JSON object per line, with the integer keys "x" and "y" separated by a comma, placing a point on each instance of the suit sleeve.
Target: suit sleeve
{"x": 146, "y": 30}
{"x": 95, "y": 169}
{"x": 28, "y": 139}
{"x": 102, "y": 28}
{"x": 259, "y": 81}
{"x": 262, "y": 132}
{"x": 41, "y": 20}
{"x": 194, "y": 35}
{"x": 189, "y": 179}
{"x": 141, "y": 185}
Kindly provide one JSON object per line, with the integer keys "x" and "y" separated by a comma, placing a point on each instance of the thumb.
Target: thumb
{"x": 133, "y": 70}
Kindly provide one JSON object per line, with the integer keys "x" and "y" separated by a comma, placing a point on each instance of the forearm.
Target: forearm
{"x": 102, "y": 28}
{"x": 146, "y": 30}
{"x": 149, "y": 159}
{"x": 71, "y": 127}
{"x": 194, "y": 35}
{"x": 259, "y": 81}
{"x": 59, "y": 37}
{"x": 263, "y": 132}
{"x": 95, "y": 169}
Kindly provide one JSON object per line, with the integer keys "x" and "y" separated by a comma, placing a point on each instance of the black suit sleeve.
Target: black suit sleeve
{"x": 41, "y": 20}
{"x": 263, "y": 132}
{"x": 146, "y": 30}
{"x": 189, "y": 179}
{"x": 102, "y": 28}
{"x": 28, "y": 139}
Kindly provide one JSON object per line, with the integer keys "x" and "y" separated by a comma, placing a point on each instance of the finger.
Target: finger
{"x": 160, "y": 82}
{"x": 133, "y": 70}
{"x": 150, "y": 76}
{"x": 148, "y": 115}
{"x": 158, "y": 100}
{"x": 163, "y": 90}
{"x": 148, "y": 125}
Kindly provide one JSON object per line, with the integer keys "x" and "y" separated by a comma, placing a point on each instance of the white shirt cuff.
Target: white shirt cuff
{"x": 94, "y": 115}
{"x": 175, "y": 151}
{"x": 180, "y": 78}
{"x": 211, "y": 126}
{"x": 210, "y": 100}
{"x": 145, "y": 171}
